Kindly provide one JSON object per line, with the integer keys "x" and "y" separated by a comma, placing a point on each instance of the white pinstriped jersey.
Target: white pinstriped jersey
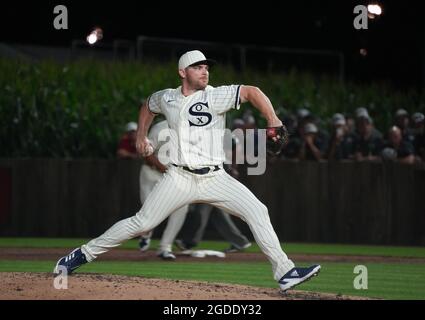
{"x": 150, "y": 176}
{"x": 197, "y": 122}
{"x": 154, "y": 137}
{"x": 196, "y": 125}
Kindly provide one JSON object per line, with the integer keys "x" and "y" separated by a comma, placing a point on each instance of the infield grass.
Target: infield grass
{"x": 385, "y": 280}
{"x": 388, "y": 281}
{"x": 290, "y": 248}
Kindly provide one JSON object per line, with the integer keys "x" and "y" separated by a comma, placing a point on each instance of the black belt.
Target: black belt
{"x": 198, "y": 171}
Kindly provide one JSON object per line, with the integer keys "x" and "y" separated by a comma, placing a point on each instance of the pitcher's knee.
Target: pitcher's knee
{"x": 260, "y": 210}
{"x": 138, "y": 224}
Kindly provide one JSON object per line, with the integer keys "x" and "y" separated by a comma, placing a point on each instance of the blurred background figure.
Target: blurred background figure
{"x": 398, "y": 149}
{"x": 312, "y": 147}
{"x": 361, "y": 111}
{"x": 296, "y": 133}
{"x": 292, "y": 149}
{"x": 402, "y": 121}
{"x": 418, "y": 124}
{"x": 127, "y": 144}
{"x": 302, "y": 115}
{"x": 342, "y": 141}
{"x": 368, "y": 143}
{"x": 291, "y": 123}
{"x": 351, "y": 123}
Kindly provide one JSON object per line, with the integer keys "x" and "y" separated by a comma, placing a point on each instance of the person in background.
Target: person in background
{"x": 402, "y": 121}
{"x": 342, "y": 141}
{"x": 351, "y": 123}
{"x": 398, "y": 149}
{"x": 368, "y": 143}
{"x": 418, "y": 128}
{"x": 127, "y": 144}
{"x": 312, "y": 147}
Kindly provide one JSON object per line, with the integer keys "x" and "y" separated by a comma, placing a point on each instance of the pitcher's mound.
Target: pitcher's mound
{"x": 40, "y": 286}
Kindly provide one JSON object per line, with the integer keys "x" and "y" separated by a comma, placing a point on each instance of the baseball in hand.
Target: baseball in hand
{"x": 148, "y": 150}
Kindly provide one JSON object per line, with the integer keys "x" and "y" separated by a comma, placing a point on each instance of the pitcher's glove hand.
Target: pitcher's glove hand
{"x": 277, "y": 138}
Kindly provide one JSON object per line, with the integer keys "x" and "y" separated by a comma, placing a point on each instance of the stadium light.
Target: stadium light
{"x": 374, "y": 10}
{"x": 91, "y": 38}
{"x": 94, "y": 36}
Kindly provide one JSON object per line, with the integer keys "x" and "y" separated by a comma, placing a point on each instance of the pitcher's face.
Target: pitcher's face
{"x": 197, "y": 77}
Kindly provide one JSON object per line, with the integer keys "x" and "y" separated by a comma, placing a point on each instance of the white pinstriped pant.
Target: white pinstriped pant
{"x": 178, "y": 188}
{"x": 148, "y": 179}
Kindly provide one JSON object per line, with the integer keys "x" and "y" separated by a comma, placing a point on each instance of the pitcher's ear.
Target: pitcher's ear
{"x": 182, "y": 73}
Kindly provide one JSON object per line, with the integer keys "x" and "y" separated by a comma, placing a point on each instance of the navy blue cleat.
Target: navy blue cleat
{"x": 295, "y": 276}
{"x": 144, "y": 244}
{"x": 71, "y": 262}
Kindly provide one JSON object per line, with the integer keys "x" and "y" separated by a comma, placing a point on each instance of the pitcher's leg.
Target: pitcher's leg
{"x": 174, "y": 224}
{"x": 236, "y": 199}
{"x": 158, "y": 206}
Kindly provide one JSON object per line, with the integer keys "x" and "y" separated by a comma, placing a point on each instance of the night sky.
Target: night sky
{"x": 395, "y": 41}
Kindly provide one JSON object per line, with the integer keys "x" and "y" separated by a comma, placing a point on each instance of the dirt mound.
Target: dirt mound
{"x": 40, "y": 286}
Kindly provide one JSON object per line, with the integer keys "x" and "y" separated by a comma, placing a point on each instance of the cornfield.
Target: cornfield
{"x": 79, "y": 109}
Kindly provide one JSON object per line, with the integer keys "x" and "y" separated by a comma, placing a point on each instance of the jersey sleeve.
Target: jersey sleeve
{"x": 154, "y": 102}
{"x": 225, "y": 98}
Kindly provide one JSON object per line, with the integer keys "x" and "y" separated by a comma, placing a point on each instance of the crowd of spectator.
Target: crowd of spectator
{"x": 354, "y": 137}
{"x": 348, "y": 137}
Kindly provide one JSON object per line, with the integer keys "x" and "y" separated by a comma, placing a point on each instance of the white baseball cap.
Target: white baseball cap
{"x": 310, "y": 128}
{"x": 365, "y": 116}
{"x": 401, "y": 113}
{"x": 131, "y": 126}
{"x": 361, "y": 112}
{"x": 302, "y": 113}
{"x": 338, "y": 119}
{"x": 194, "y": 57}
{"x": 418, "y": 117}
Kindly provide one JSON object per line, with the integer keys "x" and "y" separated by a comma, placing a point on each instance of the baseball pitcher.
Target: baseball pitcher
{"x": 195, "y": 113}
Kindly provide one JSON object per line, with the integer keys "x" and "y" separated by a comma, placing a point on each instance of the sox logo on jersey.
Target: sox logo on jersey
{"x": 196, "y": 111}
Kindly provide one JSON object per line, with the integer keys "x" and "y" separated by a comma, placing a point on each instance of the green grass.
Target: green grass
{"x": 290, "y": 248}
{"x": 388, "y": 281}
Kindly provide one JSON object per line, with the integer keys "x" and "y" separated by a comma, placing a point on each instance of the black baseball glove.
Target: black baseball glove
{"x": 277, "y": 138}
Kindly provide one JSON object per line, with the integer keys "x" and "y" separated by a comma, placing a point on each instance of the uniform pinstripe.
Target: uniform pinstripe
{"x": 195, "y": 113}
{"x": 149, "y": 177}
{"x": 197, "y": 124}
